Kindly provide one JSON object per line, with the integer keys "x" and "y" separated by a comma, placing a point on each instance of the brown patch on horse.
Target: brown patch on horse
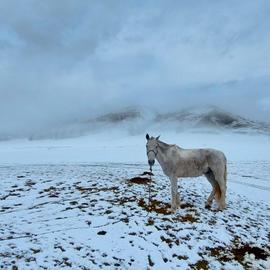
{"x": 217, "y": 192}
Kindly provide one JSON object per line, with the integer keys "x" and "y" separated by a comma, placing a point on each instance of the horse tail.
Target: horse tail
{"x": 225, "y": 174}
{"x": 217, "y": 192}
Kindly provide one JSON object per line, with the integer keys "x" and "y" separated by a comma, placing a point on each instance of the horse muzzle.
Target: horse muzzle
{"x": 151, "y": 162}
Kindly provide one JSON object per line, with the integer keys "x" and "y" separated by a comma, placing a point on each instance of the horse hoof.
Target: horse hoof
{"x": 207, "y": 206}
{"x": 172, "y": 210}
{"x": 222, "y": 206}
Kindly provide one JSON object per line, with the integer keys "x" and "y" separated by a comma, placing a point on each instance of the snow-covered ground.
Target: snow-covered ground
{"x": 112, "y": 146}
{"x": 68, "y": 204}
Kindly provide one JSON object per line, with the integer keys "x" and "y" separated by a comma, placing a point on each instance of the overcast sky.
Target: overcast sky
{"x": 64, "y": 60}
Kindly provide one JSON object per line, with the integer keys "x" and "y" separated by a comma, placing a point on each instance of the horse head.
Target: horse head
{"x": 151, "y": 149}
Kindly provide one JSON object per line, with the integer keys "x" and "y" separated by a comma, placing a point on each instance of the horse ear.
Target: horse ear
{"x": 147, "y": 137}
{"x": 157, "y": 137}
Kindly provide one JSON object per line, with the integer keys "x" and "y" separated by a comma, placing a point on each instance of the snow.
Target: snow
{"x": 68, "y": 204}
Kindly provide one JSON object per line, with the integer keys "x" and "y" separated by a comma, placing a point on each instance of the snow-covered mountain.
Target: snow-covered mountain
{"x": 208, "y": 118}
{"x": 213, "y": 118}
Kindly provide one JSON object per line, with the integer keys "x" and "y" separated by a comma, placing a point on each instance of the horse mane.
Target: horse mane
{"x": 164, "y": 145}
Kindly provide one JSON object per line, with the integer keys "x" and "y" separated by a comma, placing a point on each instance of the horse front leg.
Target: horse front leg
{"x": 175, "y": 199}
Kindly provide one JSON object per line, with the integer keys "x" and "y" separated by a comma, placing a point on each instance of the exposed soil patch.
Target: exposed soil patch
{"x": 94, "y": 189}
{"x": 52, "y": 191}
{"x": 186, "y": 205}
{"x": 101, "y": 232}
{"x": 188, "y": 218}
{"x": 30, "y": 183}
{"x": 155, "y": 206}
{"x": 84, "y": 189}
{"x": 168, "y": 241}
{"x": 180, "y": 257}
{"x": 238, "y": 253}
{"x": 202, "y": 264}
{"x": 147, "y": 173}
{"x": 150, "y": 262}
{"x": 140, "y": 180}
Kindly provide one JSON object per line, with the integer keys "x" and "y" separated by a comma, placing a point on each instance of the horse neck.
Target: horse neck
{"x": 162, "y": 149}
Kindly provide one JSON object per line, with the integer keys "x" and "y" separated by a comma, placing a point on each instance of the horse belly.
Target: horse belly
{"x": 191, "y": 168}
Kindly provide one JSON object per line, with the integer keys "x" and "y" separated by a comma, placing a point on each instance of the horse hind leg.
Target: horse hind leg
{"x": 215, "y": 193}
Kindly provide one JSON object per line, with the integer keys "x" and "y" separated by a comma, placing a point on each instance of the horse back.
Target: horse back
{"x": 196, "y": 162}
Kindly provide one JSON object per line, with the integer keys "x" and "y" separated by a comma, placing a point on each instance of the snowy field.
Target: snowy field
{"x": 63, "y": 205}
{"x": 114, "y": 146}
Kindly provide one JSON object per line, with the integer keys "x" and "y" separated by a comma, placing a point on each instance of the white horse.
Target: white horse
{"x": 178, "y": 162}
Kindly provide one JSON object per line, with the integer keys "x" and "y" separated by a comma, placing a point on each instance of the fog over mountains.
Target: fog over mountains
{"x": 200, "y": 119}
{"x": 138, "y": 120}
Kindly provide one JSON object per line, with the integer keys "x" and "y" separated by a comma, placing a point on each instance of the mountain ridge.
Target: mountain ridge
{"x": 209, "y": 117}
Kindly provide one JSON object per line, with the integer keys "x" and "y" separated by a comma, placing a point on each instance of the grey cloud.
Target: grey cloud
{"x": 66, "y": 60}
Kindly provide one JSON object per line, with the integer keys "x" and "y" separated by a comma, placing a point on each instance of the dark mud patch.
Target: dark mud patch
{"x": 147, "y": 173}
{"x": 180, "y": 257}
{"x": 155, "y": 206}
{"x": 238, "y": 253}
{"x": 188, "y": 218}
{"x": 186, "y": 205}
{"x": 168, "y": 241}
{"x": 52, "y": 192}
{"x": 84, "y": 189}
{"x": 95, "y": 189}
{"x": 160, "y": 207}
{"x": 112, "y": 189}
{"x": 150, "y": 222}
{"x": 101, "y": 232}
{"x": 202, "y": 264}
{"x": 259, "y": 253}
{"x": 123, "y": 200}
{"x": 63, "y": 263}
{"x": 35, "y": 251}
{"x": 29, "y": 183}
{"x": 150, "y": 262}
{"x": 140, "y": 180}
